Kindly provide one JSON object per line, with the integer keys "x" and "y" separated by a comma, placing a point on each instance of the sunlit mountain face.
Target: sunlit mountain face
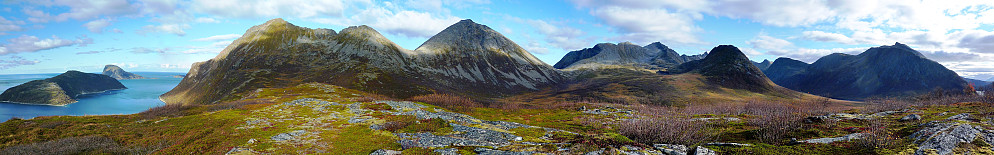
{"x": 496, "y": 77}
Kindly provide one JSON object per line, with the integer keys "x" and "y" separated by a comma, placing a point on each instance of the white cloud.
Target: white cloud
{"x": 643, "y": 26}
{"x": 561, "y": 36}
{"x": 207, "y": 20}
{"x": 26, "y": 43}
{"x": 535, "y": 47}
{"x": 14, "y": 61}
{"x": 97, "y": 26}
{"x": 392, "y": 19}
{"x": 143, "y": 50}
{"x": 266, "y": 8}
{"x": 219, "y": 37}
{"x": 82, "y": 10}
{"x": 828, "y": 37}
{"x": 9, "y": 25}
{"x": 177, "y": 29}
{"x": 763, "y": 41}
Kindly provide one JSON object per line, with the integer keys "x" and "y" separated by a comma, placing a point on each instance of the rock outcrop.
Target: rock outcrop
{"x": 652, "y": 56}
{"x": 466, "y": 58}
{"x": 885, "y": 71}
{"x": 60, "y": 90}
{"x": 117, "y": 73}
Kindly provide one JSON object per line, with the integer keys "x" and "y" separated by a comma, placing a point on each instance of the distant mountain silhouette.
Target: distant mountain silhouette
{"x": 885, "y": 71}
{"x": 763, "y": 65}
{"x": 652, "y": 56}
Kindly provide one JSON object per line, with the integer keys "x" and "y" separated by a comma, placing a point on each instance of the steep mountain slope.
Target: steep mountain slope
{"x": 60, "y": 90}
{"x": 885, "y": 71}
{"x": 782, "y": 68}
{"x": 467, "y": 52}
{"x": 652, "y": 56}
{"x": 117, "y": 73}
{"x": 466, "y": 58}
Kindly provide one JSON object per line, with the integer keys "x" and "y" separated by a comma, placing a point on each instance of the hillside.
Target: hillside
{"x": 724, "y": 75}
{"x": 885, "y": 71}
{"x": 60, "y": 90}
{"x": 278, "y": 53}
{"x": 117, "y": 73}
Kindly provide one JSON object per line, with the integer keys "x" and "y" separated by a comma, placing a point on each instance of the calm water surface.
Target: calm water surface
{"x": 140, "y": 95}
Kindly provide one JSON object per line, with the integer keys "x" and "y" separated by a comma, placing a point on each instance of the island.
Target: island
{"x": 117, "y": 73}
{"x": 60, "y": 90}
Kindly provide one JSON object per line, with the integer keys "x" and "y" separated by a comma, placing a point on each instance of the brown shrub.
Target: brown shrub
{"x": 876, "y": 137}
{"x": 667, "y": 130}
{"x": 451, "y": 102}
{"x": 71, "y": 145}
{"x": 240, "y": 104}
{"x": 168, "y": 110}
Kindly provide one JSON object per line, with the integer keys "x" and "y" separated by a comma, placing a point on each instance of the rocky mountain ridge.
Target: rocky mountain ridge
{"x": 652, "y": 56}
{"x": 277, "y": 53}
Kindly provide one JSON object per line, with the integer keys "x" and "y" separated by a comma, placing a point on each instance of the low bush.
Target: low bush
{"x": 451, "y": 102}
{"x": 71, "y": 145}
{"x": 240, "y": 104}
{"x": 169, "y": 110}
{"x": 667, "y": 130}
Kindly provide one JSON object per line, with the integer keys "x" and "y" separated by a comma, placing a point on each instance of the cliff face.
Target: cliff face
{"x": 885, "y": 71}
{"x": 466, "y": 58}
{"x": 117, "y": 73}
{"x": 652, "y": 56}
{"x": 60, "y": 90}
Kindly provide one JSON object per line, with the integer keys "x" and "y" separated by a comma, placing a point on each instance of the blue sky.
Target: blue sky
{"x": 51, "y": 36}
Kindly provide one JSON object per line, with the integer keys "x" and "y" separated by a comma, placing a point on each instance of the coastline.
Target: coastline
{"x": 63, "y": 105}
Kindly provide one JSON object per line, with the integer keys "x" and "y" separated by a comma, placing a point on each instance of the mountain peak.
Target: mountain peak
{"x": 469, "y": 38}
{"x": 727, "y": 66}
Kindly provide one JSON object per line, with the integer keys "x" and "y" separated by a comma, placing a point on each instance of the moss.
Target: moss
{"x": 530, "y": 134}
{"x": 358, "y": 139}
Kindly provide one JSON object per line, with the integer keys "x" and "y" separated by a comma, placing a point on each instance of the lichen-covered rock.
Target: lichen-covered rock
{"x": 704, "y": 151}
{"x": 912, "y": 117}
{"x": 943, "y": 137}
{"x": 834, "y": 139}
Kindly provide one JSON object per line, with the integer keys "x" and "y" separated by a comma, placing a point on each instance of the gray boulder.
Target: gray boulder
{"x": 912, "y": 117}
{"x": 704, "y": 151}
{"x": 671, "y": 149}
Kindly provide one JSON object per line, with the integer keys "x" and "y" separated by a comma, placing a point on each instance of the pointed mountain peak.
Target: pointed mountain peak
{"x": 468, "y": 37}
{"x": 901, "y": 49}
{"x": 657, "y": 45}
{"x": 277, "y": 21}
{"x": 766, "y": 61}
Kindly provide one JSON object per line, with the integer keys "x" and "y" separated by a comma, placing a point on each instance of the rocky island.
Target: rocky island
{"x": 60, "y": 90}
{"x": 117, "y": 73}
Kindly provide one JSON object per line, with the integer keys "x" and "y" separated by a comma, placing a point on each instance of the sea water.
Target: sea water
{"x": 141, "y": 95}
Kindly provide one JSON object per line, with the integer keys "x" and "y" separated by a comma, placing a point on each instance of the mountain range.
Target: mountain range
{"x": 885, "y": 71}
{"x": 466, "y": 58}
{"x": 652, "y": 56}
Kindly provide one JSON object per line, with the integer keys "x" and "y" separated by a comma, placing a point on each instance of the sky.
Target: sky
{"x": 52, "y": 36}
